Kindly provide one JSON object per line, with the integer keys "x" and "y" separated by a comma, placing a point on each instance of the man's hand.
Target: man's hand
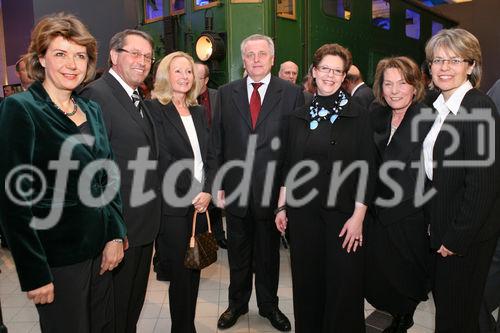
{"x": 221, "y": 199}
{"x": 444, "y": 252}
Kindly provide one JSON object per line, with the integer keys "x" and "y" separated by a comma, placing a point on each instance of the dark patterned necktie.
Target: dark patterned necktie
{"x": 255, "y": 103}
{"x": 136, "y": 99}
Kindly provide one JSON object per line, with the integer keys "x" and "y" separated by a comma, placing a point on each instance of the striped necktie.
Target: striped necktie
{"x": 136, "y": 99}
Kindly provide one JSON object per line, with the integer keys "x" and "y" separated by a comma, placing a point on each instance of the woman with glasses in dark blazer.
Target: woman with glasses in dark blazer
{"x": 331, "y": 135}
{"x": 461, "y": 154}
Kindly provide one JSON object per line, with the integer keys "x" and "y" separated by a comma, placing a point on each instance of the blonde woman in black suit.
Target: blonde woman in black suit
{"x": 183, "y": 138}
{"x": 464, "y": 212}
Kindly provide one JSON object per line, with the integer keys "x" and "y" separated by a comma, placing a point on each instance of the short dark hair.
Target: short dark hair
{"x": 333, "y": 49}
{"x": 118, "y": 40}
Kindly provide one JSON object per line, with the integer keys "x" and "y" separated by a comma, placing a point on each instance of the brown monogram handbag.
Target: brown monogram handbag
{"x": 202, "y": 250}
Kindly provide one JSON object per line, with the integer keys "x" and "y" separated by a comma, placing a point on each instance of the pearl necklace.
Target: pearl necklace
{"x": 69, "y": 114}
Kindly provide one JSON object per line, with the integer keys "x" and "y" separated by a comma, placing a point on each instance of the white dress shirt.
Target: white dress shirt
{"x": 262, "y": 89}
{"x": 356, "y": 88}
{"x": 188, "y": 123}
{"x": 125, "y": 86}
{"x": 443, "y": 109}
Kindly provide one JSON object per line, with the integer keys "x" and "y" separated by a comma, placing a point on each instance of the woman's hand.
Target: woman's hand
{"x": 353, "y": 229}
{"x": 281, "y": 221}
{"x": 112, "y": 255}
{"x": 444, "y": 252}
{"x": 201, "y": 201}
{"x": 42, "y": 295}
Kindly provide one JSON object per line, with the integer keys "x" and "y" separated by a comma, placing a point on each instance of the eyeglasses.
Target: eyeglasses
{"x": 252, "y": 55}
{"x": 327, "y": 70}
{"x": 137, "y": 55}
{"x": 452, "y": 61}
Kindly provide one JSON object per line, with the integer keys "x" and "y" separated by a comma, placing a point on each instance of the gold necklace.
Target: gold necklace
{"x": 69, "y": 114}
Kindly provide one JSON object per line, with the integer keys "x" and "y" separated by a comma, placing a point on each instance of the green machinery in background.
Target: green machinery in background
{"x": 371, "y": 29}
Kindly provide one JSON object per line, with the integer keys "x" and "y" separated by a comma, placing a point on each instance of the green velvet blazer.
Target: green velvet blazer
{"x": 32, "y": 132}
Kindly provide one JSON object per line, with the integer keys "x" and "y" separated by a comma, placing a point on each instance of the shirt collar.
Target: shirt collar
{"x": 453, "y": 103}
{"x": 356, "y": 88}
{"x": 265, "y": 80}
{"x": 125, "y": 86}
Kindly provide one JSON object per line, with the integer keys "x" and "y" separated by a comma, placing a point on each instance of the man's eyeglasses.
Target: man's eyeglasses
{"x": 452, "y": 61}
{"x": 137, "y": 55}
{"x": 327, "y": 70}
{"x": 252, "y": 55}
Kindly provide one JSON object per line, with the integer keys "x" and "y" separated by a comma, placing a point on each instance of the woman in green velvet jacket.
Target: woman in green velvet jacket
{"x": 61, "y": 212}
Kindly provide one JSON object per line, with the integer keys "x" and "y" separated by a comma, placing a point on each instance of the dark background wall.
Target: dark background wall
{"x": 481, "y": 17}
{"x": 18, "y": 21}
{"x": 104, "y": 18}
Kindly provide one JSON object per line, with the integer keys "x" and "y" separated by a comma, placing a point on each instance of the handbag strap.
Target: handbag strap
{"x": 193, "y": 232}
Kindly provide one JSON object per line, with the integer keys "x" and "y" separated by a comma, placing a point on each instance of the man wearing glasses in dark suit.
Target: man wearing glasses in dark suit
{"x": 130, "y": 127}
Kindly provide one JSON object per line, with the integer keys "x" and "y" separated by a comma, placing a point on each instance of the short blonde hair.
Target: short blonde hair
{"x": 67, "y": 26}
{"x": 463, "y": 44}
{"x": 162, "y": 87}
{"x": 408, "y": 69}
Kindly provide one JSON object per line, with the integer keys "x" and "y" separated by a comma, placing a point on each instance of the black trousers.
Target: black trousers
{"x": 216, "y": 221}
{"x": 130, "y": 281}
{"x": 459, "y": 287}
{"x": 327, "y": 281}
{"x": 491, "y": 299}
{"x": 83, "y": 301}
{"x": 397, "y": 262}
{"x": 172, "y": 243}
{"x": 253, "y": 246}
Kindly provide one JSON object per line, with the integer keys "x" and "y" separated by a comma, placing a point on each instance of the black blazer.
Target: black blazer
{"x": 401, "y": 149}
{"x": 127, "y": 132}
{"x": 174, "y": 146}
{"x": 364, "y": 95}
{"x": 466, "y": 208}
{"x": 33, "y": 132}
{"x": 231, "y": 131}
{"x": 350, "y": 141}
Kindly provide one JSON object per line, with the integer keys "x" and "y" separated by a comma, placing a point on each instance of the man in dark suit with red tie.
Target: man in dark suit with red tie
{"x": 257, "y": 104}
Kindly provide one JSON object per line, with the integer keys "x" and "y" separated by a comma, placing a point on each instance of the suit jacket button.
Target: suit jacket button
{"x": 333, "y": 142}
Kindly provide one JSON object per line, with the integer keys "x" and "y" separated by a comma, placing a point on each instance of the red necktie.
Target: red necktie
{"x": 255, "y": 103}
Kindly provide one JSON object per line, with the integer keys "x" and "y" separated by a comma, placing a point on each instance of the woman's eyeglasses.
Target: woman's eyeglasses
{"x": 327, "y": 70}
{"x": 452, "y": 61}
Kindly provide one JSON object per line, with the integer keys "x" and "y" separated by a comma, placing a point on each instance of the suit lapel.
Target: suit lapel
{"x": 240, "y": 98}
{"x": 401, "y": 145}
{"x": 301, "y": 133}
{"x": 175, "y": 119}
{"x": 154, "y": 140}
{"x": 272, "y": 97}
{"x": 126, "y": 102}
{"x": 200, "y": 130}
